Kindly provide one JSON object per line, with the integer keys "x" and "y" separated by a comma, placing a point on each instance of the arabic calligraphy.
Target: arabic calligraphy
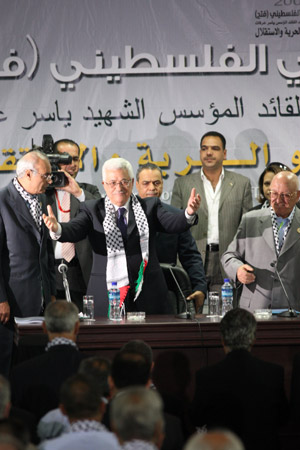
{"x": 14, "y": 67}
{"x": 107, "y": 118}
{"x": 147, "y": 158}
{"x": 213, "y": 110}
{"x": 229, "y": 62}
{"x": 278, "y": 108}
{"x": 51, "y": 117}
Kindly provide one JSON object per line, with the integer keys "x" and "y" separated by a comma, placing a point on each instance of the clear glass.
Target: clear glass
{"x": 88, "y": 307}
{"x": 213, "y": 303}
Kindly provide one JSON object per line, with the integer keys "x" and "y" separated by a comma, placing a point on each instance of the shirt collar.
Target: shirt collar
{"x": 204, "y": 177}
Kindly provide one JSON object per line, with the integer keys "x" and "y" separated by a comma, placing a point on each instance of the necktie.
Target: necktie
{"x": 121, "y": 222}
{"x": 68, "y": 248}
{"x": 284, "y": 224}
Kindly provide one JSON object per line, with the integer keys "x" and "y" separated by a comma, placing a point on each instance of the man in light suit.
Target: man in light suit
{"x": 225, "y": 197}
{"x": 80, "y": 264}
{"x": 266, "y": 240}
{"x": 149, "y": 183}
{"x": 27, "y": 279}
{"x": 121, "y": 229}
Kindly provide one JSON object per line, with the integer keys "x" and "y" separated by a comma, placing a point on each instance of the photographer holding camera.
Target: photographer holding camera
{"x": 65, "y": 201}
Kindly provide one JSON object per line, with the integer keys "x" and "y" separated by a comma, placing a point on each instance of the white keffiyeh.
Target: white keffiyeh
{"x": 116, "y": 269}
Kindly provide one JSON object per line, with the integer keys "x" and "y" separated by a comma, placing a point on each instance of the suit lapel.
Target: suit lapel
{"x": 293, "y": 235}
{"x": 266, "y": 230}
{"x": 198, "y": 184}
{"x": 227, "y": 185}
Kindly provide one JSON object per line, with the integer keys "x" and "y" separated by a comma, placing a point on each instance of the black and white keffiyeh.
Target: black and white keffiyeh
{"x": 116, "y": 269}
{"x": 60, "y": 341}
{"x": 33, "y": 202}
{"x": 86, "y": 425}
{"x": 276, "y": 229}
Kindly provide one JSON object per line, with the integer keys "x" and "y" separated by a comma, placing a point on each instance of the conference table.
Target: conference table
{"x": 199, "y": 339}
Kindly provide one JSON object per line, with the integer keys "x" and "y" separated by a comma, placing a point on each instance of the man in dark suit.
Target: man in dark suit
{"x": 121, "y": 229}
{"x": 80, "y": 257}
{"x": 149, "y": 183}
{"x": 35, "y": 383}
{"x": 241, "y": 392}
{"x": 27, "y": 278}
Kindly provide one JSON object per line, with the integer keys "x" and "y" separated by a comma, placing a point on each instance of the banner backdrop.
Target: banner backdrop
{"x": 144, "y": 79}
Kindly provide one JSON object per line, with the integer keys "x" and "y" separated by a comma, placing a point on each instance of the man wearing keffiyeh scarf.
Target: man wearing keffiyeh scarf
{"x": 121, "y": 229}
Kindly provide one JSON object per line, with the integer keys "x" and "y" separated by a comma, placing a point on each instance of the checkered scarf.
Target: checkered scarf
{"x": 278, "y": 244}
{"x": 33, "y": 202}
{"x": 116, "y": 269}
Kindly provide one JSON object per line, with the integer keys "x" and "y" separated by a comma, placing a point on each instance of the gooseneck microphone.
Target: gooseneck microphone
{"x": 186, "y": 314}
{"x": 63, "y": 269}
{"x": 290, "y": 312}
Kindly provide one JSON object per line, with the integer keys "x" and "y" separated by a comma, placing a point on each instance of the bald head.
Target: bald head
{"x": 285, "y": 193}
{"x": 214, "y": 440}
{"x": 34, "y": 172}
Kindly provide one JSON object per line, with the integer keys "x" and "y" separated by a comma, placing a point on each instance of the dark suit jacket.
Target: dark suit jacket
{"x": 35, "y": 384}
{"x": 26, "y": 256}
{"x": 244, "y": 394}
{"x": 82, "y": 248}
{"x": 89, "y": 222}
{"x": 182, "y": 245}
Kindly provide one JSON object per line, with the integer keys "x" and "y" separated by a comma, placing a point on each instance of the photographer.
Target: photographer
{"x": 65, "y": 201}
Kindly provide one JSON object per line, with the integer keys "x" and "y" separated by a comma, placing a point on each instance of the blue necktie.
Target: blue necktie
{"x": 121, "y": 222}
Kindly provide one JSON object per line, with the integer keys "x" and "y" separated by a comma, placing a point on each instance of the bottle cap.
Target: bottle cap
{"x": 226, "y": 280}
{"x": 114, "y": 283}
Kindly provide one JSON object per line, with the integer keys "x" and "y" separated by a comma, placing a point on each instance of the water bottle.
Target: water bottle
{"x": 227, "y": 296}
{"x": 114, "y": 310}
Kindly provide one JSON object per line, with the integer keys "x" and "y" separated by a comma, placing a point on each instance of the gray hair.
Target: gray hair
{"x": 61, "y": 316}
{"x": 214, "y": 440}
{"x": 29, "y": 161}
{"x": 4, "y": 395}
{"x": 238, "y": 328}
{"x": 147, "y": 166}
{"x": 136, "y": 413}
{"x": 116, "y": 164}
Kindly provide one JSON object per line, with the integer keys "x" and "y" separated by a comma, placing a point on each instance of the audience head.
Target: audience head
{"x": 140, "y": 347}
{"x": 130, "y": 368}
{"x": 214, "y": 440}
{"x": 137, "y": 413}
{"x": 212, "y": 151}
{"x": 4, "y": 397}
{"x": 238, "y": 328}
{"x": 80, "y": 398}
{"x": 266, "y": 178}
{"x": 14, "y": 433}
{"x": 61, "y": 318}
{"x": 34, "y": 172}
{"x": 70, "y": 147}
{"x": 284, "y": 193}
{"x": 118, "y": 178}
{"x": 149, "y": 181}
{"x": 99, "y": 369}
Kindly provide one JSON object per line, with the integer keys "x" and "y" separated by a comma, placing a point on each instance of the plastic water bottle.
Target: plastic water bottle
{"x": 227, "y": 296}
{"x": 114, "y": 310}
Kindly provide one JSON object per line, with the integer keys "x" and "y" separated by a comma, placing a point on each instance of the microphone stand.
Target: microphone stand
{"x": 186, "y": 314}
{"x": 290, "y": 312}
{"x": 63, "y": 268}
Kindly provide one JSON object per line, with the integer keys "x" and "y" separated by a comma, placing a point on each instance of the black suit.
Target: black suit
{"x": 243, "y": 394}
{"x": 89, "y": 222}
{"x": 183, "y": 245}
{"x": 35, "y": 384}
{"x": 81, "y": 266}
{"x": 27, "y": 264}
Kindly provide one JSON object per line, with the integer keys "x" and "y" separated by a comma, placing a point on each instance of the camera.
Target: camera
{"x": 59, "y": 179}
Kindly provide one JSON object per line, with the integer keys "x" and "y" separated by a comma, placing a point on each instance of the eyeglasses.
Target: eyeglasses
{"x": 113, "y": 184}
{"x": 286, "y": 197}
{"x": 45, "y": 176}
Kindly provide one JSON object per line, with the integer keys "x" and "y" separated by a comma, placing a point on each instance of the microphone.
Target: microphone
{"x": 63, "y": 269}
{"x": 291, "y": 312}
{"x": 186, "y": 314}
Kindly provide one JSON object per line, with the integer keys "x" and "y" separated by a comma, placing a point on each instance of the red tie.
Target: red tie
{"x": 68, "y": 248}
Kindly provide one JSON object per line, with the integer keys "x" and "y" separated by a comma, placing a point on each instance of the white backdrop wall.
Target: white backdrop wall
{"x": 144, "y": 79}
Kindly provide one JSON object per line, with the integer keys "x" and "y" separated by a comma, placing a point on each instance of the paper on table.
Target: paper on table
{"x": 29, "y": 320}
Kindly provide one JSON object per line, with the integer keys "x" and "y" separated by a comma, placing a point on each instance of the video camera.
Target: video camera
{"x": 59, "y": 179}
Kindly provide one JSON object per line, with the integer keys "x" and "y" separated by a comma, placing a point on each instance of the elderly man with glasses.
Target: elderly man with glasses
{"x": 121, "y": 229}
{"x": 27, "y": 279}
{"x": 265, "y": 253}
